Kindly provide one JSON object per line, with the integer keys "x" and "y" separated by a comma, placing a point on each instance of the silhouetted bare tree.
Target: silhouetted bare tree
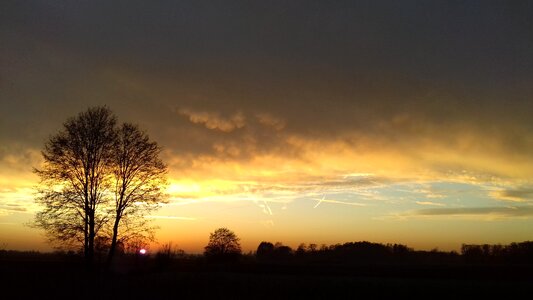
{"x": 139, "y": 183}
{"x": 74, "y": 179}
{"x": 85, "y": 165}
{"x": 223, "y": 245}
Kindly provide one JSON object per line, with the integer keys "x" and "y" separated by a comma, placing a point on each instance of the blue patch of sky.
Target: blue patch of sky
{"x": 405, "y": 196}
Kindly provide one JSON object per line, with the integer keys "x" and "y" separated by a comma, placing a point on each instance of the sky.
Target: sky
{"x": 293, "y": 121}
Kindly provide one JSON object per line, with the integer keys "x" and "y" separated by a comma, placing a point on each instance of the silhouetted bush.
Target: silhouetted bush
{"x": 265, "y": 251}
{"x": 223, "y": 246}
{"x": 282, "y": 252}
{"x": 165, "y": 257}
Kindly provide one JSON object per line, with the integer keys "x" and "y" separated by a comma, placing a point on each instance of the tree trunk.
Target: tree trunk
{"x": 113, "y": 246}
{"x": 86, "y": 239}
{"x": 90, "y": 249}
{"x": 86, "y": 224}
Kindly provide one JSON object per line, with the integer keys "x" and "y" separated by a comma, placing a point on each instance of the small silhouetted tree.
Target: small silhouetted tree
{"x": 223, "y": 245}
{"x": 166, "y": 255}
{"x": 282, "y": 252}
{"x": 472, "y": 253}
{"x": 400, "y": 250}
{"x": 301, "y": 250}
{"x": 265, "y": 250}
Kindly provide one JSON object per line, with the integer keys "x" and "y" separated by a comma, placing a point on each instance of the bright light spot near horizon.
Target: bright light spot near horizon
{"x": 142, "y": 251}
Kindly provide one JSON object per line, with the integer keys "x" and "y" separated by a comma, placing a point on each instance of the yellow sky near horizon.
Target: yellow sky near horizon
{"x": 320, "y": 190}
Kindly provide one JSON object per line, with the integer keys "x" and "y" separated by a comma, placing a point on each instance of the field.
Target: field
{"x": 59, "y": 277}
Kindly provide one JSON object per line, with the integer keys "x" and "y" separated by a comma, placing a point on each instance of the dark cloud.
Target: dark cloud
{"x": 522, "y": 194}
{"x": 12, "y": 208}
{"x": 395, "y": 72}
{"x": 516, "y": 211}
{"x": 356, "y": 181}
{"x": 516, "y": 194}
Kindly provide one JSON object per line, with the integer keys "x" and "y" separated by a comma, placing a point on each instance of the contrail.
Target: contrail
{"x": 320, "y": 201}
{"x": 337, "y": 202}
{"x": 171, "y": 218}
{"x": 267, "y": 207}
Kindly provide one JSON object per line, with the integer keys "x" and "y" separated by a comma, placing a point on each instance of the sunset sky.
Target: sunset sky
{"x": 293, "y": 121}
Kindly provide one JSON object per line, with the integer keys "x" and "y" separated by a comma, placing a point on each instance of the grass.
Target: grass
{"x": 62, "y": 277}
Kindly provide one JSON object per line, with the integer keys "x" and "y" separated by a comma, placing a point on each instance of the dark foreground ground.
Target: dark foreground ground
{"x": 65, "y": 278}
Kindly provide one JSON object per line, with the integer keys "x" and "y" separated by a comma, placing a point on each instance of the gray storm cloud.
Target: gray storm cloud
{"x": 249, "y": 76}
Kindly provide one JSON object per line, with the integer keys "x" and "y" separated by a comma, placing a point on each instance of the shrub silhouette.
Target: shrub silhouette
{"x": 265, "y": 250}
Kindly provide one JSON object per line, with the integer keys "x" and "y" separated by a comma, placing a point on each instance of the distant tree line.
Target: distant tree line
{"x": 512, "y": 253}
{"x": 224, "y": 246}
{"x": 352, "y": 252}
{"x": 367, "y": 252}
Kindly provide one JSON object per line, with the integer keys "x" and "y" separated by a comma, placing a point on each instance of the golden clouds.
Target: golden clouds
{"x": 429, "y": 203}
{"x": 17, "y": 180}
{"x": 270, "y": 120}
{"x": 285, "y": 164}
{"x": 213, "y": 120}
